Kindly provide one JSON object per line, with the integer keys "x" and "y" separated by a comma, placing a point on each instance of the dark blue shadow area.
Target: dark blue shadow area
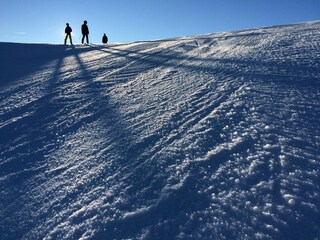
{"x": 28, "y": 137}
{"x": 20, "y": 60}
{"x": 23, "y": 148}
{"x": 25, "y": 143}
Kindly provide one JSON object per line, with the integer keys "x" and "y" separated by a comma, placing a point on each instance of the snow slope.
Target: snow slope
{"x": 207, "y": 137}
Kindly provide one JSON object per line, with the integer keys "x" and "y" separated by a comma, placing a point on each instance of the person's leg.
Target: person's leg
{"x": 82, "y": 39}
{"x": 65, "y": 39}
{"x": 70, "y": 39}
{"x": 87, "y": 37}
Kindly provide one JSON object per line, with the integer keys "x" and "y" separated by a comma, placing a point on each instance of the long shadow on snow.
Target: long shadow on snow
{"x": 23, "y": 157}
{"x": 25, "y": 146}
{"x": 35, "y": 131}
{"x": 37, "y": 136}
{"x": 178, "y": 202}
{"x": 20, "y": 60}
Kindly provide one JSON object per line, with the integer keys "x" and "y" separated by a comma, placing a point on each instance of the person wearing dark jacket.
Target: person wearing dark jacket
{"x": 104, "y": 39}
{"x": 68, "y": 31}
{"x": 85, "y": 32}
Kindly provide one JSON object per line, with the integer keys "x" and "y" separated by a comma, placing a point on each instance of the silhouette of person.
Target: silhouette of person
{"x": 104, "y": 39}
{"x": 85, "y": 32}
{"x": 68, "y": 31}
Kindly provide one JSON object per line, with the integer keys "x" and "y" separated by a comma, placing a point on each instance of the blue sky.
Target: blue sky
{"x": 43, "y": 21}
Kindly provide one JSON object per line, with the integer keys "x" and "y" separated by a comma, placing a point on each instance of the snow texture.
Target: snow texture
{"x": 205, "y": 137}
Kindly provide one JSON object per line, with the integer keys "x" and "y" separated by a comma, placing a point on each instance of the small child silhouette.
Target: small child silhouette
{"x": 104, "y": 39}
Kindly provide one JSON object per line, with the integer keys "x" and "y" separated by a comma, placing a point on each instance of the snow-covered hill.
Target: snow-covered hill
{"x": 207, "y": 137}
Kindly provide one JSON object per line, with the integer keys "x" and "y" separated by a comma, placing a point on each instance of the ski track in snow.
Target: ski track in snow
{"x": 208, "y": 137}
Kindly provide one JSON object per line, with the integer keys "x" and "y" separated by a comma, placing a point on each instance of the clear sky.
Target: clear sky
{"x": 43, "y": 21}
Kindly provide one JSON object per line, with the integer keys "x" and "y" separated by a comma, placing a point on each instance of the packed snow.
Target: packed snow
{"x": 203, "y": 137}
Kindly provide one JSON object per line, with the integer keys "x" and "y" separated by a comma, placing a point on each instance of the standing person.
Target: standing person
{"x": 68, "y": 31}
{"x": 104, "y": 39}
{"x": 85, "y": 31}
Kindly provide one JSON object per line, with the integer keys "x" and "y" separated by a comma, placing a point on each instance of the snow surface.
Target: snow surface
{"x": 206, "y": 137}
